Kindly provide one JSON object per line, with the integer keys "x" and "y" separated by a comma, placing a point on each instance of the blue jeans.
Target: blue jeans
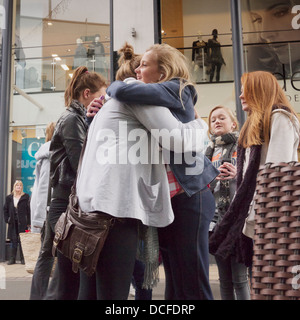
{"x": 184, "y": 247}
{"x": 233, "y": 279}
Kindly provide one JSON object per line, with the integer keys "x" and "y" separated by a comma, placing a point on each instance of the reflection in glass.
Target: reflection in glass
{"x": 269, "y": 22}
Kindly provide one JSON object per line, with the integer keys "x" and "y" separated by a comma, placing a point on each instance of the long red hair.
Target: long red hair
{"x": 261, "y": 91}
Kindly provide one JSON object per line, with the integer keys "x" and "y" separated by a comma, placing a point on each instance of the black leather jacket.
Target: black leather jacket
{"x": 65, "y": 149}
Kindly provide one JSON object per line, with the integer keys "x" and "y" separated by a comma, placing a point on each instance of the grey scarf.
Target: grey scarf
{"x": 229, "y": 144}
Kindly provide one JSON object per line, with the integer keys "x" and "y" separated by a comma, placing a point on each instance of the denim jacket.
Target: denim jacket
{"x": 194, "y": 175}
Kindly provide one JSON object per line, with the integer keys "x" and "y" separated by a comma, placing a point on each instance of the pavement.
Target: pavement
{"x": 15, "y": 283}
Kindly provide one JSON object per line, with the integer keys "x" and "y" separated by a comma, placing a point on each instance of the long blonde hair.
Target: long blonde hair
{"x": 261, "y": 91}
{"x": 14, "y": 187}
{"x": 172, "y": 64}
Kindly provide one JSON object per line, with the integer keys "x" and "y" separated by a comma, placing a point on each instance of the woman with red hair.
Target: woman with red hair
{"x": 270, "y": 134}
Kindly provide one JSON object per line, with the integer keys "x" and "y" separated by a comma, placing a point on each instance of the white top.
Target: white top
{"x": 39, "y": 195}
{"x": 282, "y": 147}
{"x": 122, "y": 171}
{"x": 16, "y": 200}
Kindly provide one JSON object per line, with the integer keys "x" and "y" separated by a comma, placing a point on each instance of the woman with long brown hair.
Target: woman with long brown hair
{"x": 70, "y": 131}
{"x": 270, "y": 134}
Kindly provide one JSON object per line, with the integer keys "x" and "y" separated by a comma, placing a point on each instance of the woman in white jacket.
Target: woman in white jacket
{"x": 270, "y": 134}
{"x": 39, "y": 196}
{"x": 38, "y": 206}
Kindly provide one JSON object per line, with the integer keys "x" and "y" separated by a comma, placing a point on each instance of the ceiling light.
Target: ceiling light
{"x": 65, "y": 67}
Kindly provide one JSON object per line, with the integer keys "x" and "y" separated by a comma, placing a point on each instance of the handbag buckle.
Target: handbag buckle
{"x": 57, "y": 237}
{"x": 77, "y": 255}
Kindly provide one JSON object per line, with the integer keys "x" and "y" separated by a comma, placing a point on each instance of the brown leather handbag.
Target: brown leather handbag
{"x": 80, "y": 236}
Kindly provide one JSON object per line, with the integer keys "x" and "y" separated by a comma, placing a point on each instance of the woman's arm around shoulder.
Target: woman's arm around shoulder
{"x": 170, "y": 132}
{"x": 136, "y": 92}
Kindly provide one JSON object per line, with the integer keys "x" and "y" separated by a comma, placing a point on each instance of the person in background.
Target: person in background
{"x": 187, "y": 271}
{"x": 222, "y": 151}
{"x": 17, "y": 216}
{"x": 39, "y": 204}
{"x": 40, "y": 190}
{"x": 65, "y": 148}
{"x": 270, "y": 134}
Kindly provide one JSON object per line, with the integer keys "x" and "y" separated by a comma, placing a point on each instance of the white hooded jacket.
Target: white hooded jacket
{"x": 39, "y": 197}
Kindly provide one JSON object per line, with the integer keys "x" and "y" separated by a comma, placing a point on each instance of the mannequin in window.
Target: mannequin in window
{"x": 80, "y": 55}
{"x": 97, "y": 53}
{"x": 199, "y": 54}
{"x": 20, "y": 61}
{"x": 214, "y": 56}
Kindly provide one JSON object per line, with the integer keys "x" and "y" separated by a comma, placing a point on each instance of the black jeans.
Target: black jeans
{"x": 112, "y": 278}
{"x": 66, "y": 281}
{"x": 184, "y": 247}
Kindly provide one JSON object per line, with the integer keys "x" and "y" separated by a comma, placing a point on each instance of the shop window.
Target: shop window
{"x": 271, "y": 41}
{"x": 54, "y": 37}
{"x": 202, "y": 31}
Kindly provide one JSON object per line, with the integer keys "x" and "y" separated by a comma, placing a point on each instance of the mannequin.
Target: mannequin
{"x": 97, "y": 54}
{"x": 214, "y": 56}
{"x": 199, "y": 50}
{"x": 199, "y": 54}
{"x": 80, "y": 54}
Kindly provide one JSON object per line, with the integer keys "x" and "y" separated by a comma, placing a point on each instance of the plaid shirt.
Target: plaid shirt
{"x": 173, "y": 184}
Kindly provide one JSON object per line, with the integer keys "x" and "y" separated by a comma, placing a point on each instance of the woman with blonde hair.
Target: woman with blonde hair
{"x": 222, "y": 151}
{"x": 146, "y": 200}
{"x": 166, "y": 81}
{"x": 270, "y": 134}
{"x": 17, "y": 215}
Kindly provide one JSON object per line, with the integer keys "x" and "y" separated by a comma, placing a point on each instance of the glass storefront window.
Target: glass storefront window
{"x": 26, "y": 141}
{"x": 271, "y": 43}
{"x": 52, "y": 38}
{"x": 2, "y": 21}
{"x": 268, "y": 25}
{"x": 202, "y": 31}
